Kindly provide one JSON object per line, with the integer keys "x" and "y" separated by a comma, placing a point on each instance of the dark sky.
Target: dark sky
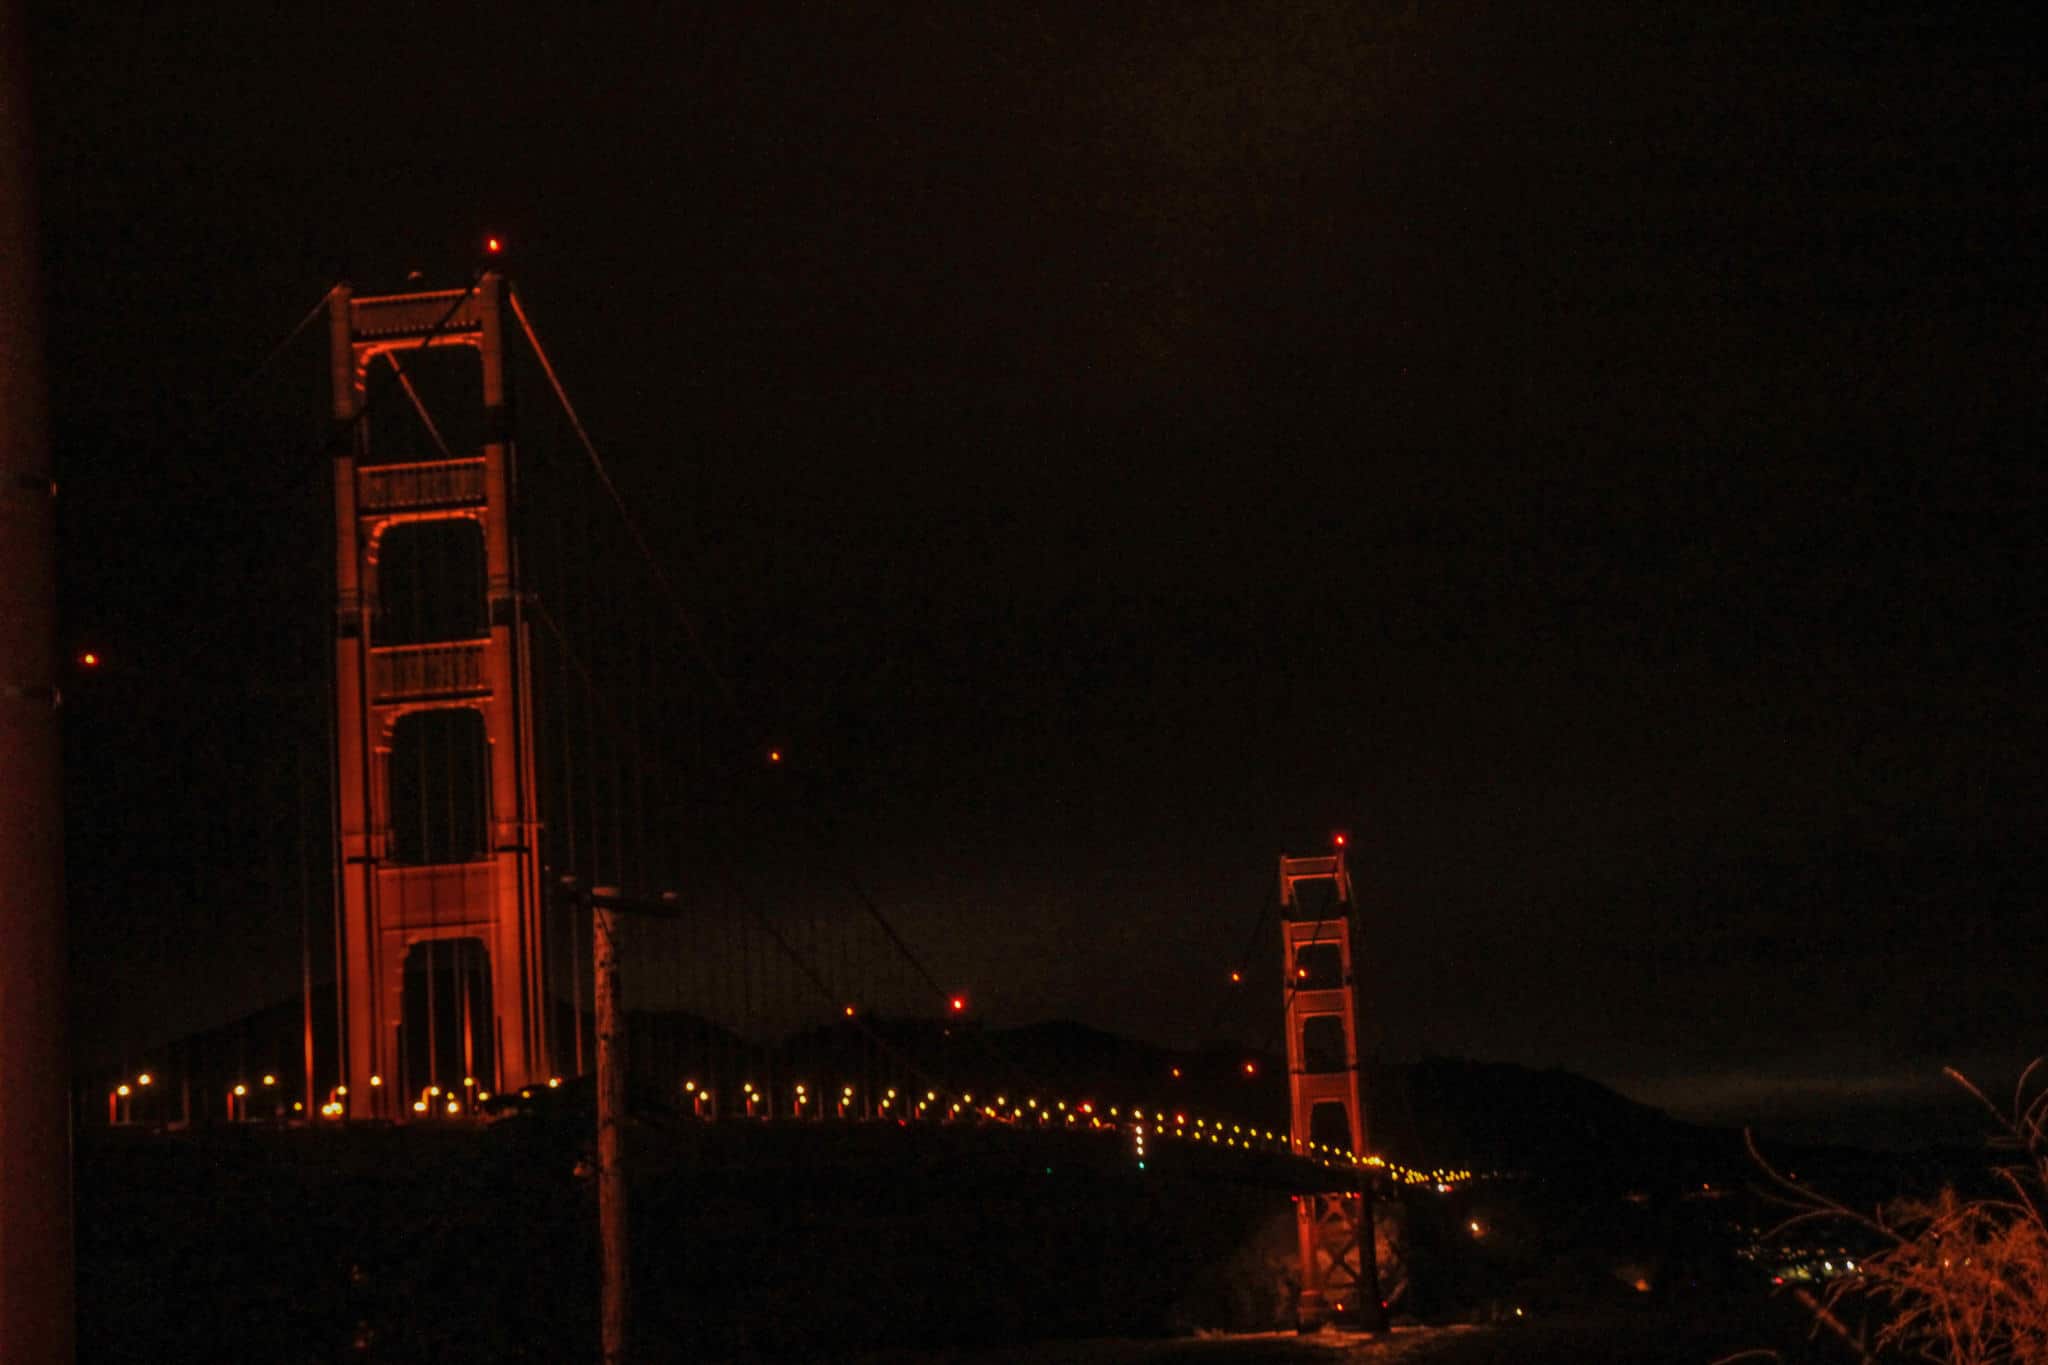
{"x": 1591, "y": 455}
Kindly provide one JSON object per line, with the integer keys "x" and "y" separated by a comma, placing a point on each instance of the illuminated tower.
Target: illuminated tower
{"x": 1338, "y": 1273}
{"x": 434, "y": 801}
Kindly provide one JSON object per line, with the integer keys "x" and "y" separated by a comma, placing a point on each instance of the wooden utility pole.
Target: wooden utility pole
{"x": 35, "y": 1092}
{"x": 611, "y": 1110}
{"x": 606, "y": 904}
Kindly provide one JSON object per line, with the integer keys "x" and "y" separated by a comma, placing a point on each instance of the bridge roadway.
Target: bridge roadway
{"x": 1168, "y": 1143}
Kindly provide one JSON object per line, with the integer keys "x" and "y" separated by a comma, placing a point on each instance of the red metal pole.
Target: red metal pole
{"x": 35, "y": 1091}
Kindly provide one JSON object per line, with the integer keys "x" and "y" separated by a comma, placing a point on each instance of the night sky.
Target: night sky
{"x": 1591, "y": 454}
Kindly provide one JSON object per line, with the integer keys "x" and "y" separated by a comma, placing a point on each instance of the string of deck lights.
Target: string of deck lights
{"x": 944, "y": 1106}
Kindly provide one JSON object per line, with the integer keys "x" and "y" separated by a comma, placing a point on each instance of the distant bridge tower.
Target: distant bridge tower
{"x": 1339, "y": 1275}
{"x": 435, "y": 794}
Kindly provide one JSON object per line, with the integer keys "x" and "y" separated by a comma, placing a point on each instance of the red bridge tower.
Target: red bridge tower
{"x": 1339, "y": 1273}
{"x": 435, "y": 801}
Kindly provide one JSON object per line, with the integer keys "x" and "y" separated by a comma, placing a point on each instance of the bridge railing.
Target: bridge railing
{"x": 410, "y": 672}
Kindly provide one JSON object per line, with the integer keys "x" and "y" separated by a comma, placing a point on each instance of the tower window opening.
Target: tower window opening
{"x": 440, "y": 787}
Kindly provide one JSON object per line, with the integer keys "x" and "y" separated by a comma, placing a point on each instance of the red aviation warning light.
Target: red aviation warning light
{"x": 89, "y": 660}
{"x": 958, "y": 1004}
{"x": 1340, "y": 838}
{"x": 493, "y": 246}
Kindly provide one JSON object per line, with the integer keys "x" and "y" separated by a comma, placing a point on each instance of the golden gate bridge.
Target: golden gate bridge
{"x": 547, "y": 799}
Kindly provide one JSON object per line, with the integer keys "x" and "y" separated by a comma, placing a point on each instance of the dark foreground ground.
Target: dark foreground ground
{"x": 1611, "y": 1338}
{"x": 810, "y": 1243}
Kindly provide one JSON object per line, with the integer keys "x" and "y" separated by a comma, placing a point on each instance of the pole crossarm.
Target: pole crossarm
{"x": 667, "y": 905}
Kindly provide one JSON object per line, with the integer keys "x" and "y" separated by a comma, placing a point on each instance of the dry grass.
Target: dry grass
{"x": 1962, "y": 1281}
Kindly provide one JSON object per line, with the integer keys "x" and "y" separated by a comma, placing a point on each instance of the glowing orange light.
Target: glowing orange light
{"x": 493, "y": 245}
{"x": 959, "y": 1004}
{"x": 89, "y": 659}
{"x": 849, "y": 1011}
{"x": 1237, "y": 976}
{"x": 241, "y": 1090}
{"x": 145, "y": 1079}
{"x": 121, "y": 1089}
{"x": 775, "y": 755}
{"x": 1251, "y": 1068}
{"x": 376, "y": 1080}
{"x": 269, "y": 1079}
{"x": 1176, "y": 1073}
{"x": 1340, "y": 839}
